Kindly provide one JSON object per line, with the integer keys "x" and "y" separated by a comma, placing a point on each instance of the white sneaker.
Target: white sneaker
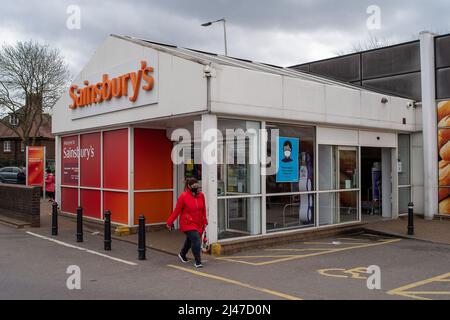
{"x": 198, "y": 266}
{"x": 182, "y": 259}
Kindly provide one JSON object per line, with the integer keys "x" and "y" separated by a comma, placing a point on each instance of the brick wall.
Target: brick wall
{"x": 21, "y": 203}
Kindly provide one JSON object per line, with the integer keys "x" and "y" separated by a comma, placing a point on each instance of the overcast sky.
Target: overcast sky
{"x": 281, "y": 32}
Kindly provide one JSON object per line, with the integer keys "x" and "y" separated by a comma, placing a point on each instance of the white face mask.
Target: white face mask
{"x": 287, "y": 154}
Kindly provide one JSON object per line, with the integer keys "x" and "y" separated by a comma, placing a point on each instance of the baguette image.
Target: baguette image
{"x": 444, "y": 193}
{"x": 444, "y": 173}
{"x": 445, "y": 152}
{"x": 443, "y": 110}
{"x": 444, "y": 207}
{"x": 444, "y": 137}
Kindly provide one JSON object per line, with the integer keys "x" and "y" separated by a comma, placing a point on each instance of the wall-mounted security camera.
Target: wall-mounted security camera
{"x": 384, "y": 100}
{"x": 208, "y": 71}
{"x": 410, "y": 105}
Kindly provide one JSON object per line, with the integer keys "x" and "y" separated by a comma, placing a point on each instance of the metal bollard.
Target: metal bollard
{"x": 411, "y": 219}
{"x": 80, "y": 224}
{"x": 108, "y": 240}
{"x": 54, "y": 219}
{"x": 141, "y": 243}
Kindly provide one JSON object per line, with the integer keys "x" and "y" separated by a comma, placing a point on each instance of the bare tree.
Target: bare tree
{"x": 372, "y": 42}
{"x": 32, "y": 79}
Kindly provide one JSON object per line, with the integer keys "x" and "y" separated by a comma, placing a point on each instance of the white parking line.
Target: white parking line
{"x": 82, "y": 249}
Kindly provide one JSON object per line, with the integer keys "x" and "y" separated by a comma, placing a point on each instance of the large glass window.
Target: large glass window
{"x": 239, "y": 178}
{"x": 338, "y": 174}
{"x": 290, "y": 184}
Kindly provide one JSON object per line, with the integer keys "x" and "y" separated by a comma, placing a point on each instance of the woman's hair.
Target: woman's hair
{"x": 49, "y": 170}
{"x": 190, "y": 181}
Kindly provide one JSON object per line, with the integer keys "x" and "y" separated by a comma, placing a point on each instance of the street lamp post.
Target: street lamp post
{"x": 207, "y": 24}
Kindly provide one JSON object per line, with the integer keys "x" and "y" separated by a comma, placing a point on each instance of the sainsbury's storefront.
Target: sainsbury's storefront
{"x": 275, "y": 150}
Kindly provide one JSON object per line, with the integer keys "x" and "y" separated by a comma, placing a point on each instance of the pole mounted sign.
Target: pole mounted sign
{"x": 36, "y": 166}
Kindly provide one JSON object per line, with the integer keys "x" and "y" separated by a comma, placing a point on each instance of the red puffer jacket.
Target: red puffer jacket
{"x": 192, "y": 212}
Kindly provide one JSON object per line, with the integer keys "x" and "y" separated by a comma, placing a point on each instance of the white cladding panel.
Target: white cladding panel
{"x": 180, "y": 88}
{"x": 377, "y": 139}
{"x": 239, "y": 91}
{"x": 337, "y": 137}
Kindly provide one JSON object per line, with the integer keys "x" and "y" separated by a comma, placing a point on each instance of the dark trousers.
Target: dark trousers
{"x": 193, "y": 241}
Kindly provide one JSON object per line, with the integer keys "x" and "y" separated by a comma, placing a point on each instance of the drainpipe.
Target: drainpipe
{"x": 429, "y": 116}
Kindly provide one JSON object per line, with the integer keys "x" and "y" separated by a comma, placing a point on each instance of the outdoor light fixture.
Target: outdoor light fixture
{"x": 207, "y": 24}
{"x": 384, "y": 100}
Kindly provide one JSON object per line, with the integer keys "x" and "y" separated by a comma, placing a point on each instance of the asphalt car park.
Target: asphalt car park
{"x": 34, "y": 266}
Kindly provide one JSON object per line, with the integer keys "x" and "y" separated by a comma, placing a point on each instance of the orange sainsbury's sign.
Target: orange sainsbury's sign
{"x": 126, "y": 85}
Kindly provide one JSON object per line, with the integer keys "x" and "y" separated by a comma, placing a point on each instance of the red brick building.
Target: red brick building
{"x": 12, "y": 148}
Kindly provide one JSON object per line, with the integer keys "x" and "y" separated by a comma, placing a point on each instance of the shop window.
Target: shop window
{"x": 293, "y": 157}
{"x": 284, "y": 212}
{"x": 239, "y": 217}
{"x": 239, "y": 161}
{"x": 239, "y": 178}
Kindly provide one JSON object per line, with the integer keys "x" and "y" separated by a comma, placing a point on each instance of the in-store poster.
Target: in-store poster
{"x": 288, "y": 166}
{"x": 70, "y": 150}
{"x": 35, "y": 166}
{"x": 444, "y": 156}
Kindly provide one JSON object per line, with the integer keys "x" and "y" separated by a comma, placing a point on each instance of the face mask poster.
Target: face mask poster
{"x": 287, "y": 160}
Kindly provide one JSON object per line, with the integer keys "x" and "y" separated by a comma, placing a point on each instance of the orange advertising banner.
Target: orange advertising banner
{"x": 35, "y": 166}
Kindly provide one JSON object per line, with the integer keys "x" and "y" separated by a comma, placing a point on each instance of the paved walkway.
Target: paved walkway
{"x": 164, "y": 241}
{"x": 437, "y": 231}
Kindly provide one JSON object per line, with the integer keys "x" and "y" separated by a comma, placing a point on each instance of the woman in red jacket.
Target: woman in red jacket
{"x": 191, "y": 207}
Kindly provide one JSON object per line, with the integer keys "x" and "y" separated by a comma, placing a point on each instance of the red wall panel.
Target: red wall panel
{"x": 155, "y": 206}
{"x": 153, "y": 166}
{"x": 91, "y": 203}
{"x": 115, "y": 159}
{"x": 117, "y": 203}
{"x": 90, "y": 160}
{"x": 69, "y": 200}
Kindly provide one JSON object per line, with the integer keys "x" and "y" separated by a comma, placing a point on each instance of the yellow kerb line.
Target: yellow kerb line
{"x": 402, "y": 291}
{"x": 237, "y": 283}
{"x": 309, "y": 255}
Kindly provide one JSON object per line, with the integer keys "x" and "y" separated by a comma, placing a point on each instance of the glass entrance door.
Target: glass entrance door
{"x": 347, "y": 177}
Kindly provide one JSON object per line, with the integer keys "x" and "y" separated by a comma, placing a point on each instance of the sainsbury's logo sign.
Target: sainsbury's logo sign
{"x": 126, "y": 85}
{"x": 73, "y": 153}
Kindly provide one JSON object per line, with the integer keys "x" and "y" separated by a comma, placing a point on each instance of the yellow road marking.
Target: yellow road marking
{"x": 308, "y": 255}
{"x": 237, "y": 283}
{"x": 354, "y": 273}
{"x": 299, "y": 250}
{"x": 332, "y": 244}
{"x": 324, "y": 272}
{"x": 403, "y": 291}
{"x": 260, "y": 257}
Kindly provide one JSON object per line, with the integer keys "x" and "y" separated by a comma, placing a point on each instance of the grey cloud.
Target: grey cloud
{"x": 275, "y": 31}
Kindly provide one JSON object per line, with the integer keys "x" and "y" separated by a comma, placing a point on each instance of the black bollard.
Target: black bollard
{"x": 80, "y": 224}
{"x": 108, "y": 231}
{"x": 411, "y": 219}
{"x": 54, "y": 219}
{"x": 141, "y": 242}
